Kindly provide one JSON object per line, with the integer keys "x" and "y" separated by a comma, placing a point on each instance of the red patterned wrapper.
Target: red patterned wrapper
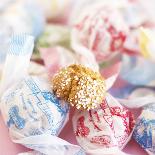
{"x": 138, "y": 13}
{"x": 107, "y": 128}
{"x": 102, "y": 30}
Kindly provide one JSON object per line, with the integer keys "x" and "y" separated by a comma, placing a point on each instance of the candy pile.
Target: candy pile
{"x": 85, "y": 64}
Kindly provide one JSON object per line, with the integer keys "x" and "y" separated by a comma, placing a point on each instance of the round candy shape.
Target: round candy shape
{"x": 80, "y": 86}
{"x": 145, "y": 128}
{"x": 102, "y": 30}
{"x": 105, "y": 128}
{"x": 30, "y": 108}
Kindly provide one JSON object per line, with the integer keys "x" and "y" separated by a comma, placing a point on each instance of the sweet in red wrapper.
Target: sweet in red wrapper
{"x": 100, "y": 29}
{"x": 104, "y": 130}
{"x": 102, "y": 126}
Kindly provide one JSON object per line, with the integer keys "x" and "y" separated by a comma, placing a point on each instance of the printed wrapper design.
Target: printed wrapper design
{"x": 30, "y": 110}
{"x": 138, "y": 70}
{"x": 97, "y": 31}
{"x": 104, "y": 130}
{"x": 24, "y": 17}
{"x": 134, "y": 16}
{"x": 145, "y": 128}
{"x": 145, "y": 124}
{"x": 133, "y": 13}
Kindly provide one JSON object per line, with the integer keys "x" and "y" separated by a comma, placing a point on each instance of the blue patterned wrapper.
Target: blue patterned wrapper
{"x": 32, "y": 113}
{"x": 31, "y": 108}
{"x": 144, "y": 132}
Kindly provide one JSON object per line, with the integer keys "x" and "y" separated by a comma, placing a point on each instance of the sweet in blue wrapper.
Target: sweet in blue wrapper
{"x": 144, "y": 128}
{"x": 33, "y": 114}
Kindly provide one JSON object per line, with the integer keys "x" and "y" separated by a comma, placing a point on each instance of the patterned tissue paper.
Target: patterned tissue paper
{"x": 97, "y": 31}
{"x": 31, "y": 111}
{"x": 145, "y": 124}
{"x": 104, "y": 130}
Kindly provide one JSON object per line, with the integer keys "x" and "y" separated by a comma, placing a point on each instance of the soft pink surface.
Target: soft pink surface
{"x": 9, "y": 148}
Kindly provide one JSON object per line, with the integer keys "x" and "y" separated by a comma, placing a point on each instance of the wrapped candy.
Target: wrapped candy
{"x": 54, "y": 44}
{"x": 97, "y": 31}
{"x": 106, "y": 126}
{"x": 135, "y": 14}
{"x": 104, "y": 130}
{"x": 91, "y": 32}
{"x": 33, "y": 114}
{"x": 145, "y": 124}
{"x": 133, "y": 67}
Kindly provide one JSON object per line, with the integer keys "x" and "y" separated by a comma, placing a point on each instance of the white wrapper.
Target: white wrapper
{"x": 37, "y": 70}
{"x": 104, "y": 130}
{"x": 32, "y": 113}
{"x": 97, "y": 30}
{"x": 145, "y": 125}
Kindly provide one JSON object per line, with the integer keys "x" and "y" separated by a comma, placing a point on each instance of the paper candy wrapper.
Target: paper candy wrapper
{"x": 24, "y": 17}
{"x": 133, "y": 14}
{"x": 97, "y": 31}
{"x": 106, "y": 129}
{"x": 60, "y": 57}
{"x": 137, "y": 70}
{"x": 144, "y": 127}
{"x": 37, "y": 70}
{"x": 32, "y": 113}
{"x": 34, "y": 69}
